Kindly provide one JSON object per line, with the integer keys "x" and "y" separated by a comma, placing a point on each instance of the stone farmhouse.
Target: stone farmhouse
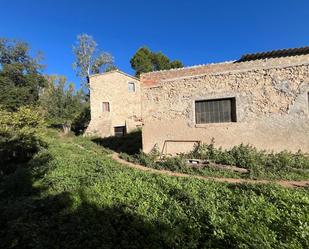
{"x": 115, "y": 103}
{"x": 260, "y": 99}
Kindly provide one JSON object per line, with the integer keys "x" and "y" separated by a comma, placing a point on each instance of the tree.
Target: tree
{"x": 61, "y": 103}
{"x": 141, "y": 62}
{"x": 20, "y": 75}
{"x": 145, "y": 61}
{"x": 160, "y": 61}
{"x": 89, "y": 59}
{"x": 176, "y": 64}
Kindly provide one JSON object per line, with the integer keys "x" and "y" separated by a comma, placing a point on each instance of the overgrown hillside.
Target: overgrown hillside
{"x": 73, "y": 195}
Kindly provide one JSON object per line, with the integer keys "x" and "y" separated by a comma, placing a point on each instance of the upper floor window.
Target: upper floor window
{"x": 215, "y": 111}
{"x": 131, "y": 87}
{"x": 105, "y": 107}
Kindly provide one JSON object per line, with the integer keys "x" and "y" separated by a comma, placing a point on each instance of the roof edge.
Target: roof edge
{"x": 225, "y": 72}
{"x": 189, "y": 67}
{"x": 114, "y": 71}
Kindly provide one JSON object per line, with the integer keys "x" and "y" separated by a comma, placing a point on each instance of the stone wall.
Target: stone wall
{"x": 271, "y": 103}
{"x": 125, "y": 106}
{"x": 153, "y": 78}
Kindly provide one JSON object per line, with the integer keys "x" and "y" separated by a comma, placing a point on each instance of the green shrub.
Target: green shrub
{"x": 81, "y": 122}
{"x": 246, "y": 156}
{"x": 261, "y": 164}
{"x": 19, "y": 137}
{"x": 129, "y": 158}
{"x": 172, "y": 163}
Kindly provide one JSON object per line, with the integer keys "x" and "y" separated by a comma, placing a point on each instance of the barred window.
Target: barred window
{"x": 120, "y": 131}
{"x": 215, "y": 111}
{"x": 105, "y": 107}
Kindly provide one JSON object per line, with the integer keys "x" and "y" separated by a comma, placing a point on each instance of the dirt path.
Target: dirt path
{"x": 283, "y": 183}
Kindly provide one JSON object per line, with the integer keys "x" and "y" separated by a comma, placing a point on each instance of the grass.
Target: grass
{"x": 260, "y": 164}
{"x": 71, "y": 197}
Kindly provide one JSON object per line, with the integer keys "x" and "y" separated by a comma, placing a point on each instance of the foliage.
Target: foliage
{"x": 19, "y": 137}
{"x": 90, "y": 60}
{"x": 258, "y": 162}
{"x": 145, "y": 61}
{"x": 84, "y": 199}
{"x": 81, "y": 122}
{"x": 20, "y": 77}
{"x": 262, "y": 165}
{"x": 62, "y": 105}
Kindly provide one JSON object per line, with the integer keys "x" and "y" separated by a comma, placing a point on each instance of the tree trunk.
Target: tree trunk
{"x": 66, "y": 128}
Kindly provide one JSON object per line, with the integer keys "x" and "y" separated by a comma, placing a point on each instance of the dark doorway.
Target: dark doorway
{"x": 120, "y": 131}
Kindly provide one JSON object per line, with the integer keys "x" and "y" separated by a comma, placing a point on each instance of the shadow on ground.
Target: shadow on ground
{"x": 32, "y": 218}
{"x": 131, "y": 143}
{"x": 47, "y": 223}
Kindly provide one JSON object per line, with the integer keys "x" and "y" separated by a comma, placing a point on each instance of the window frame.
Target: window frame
{"x": 134, "y": 87}
{"x": 233, "y": 109}
{"x": 109, "y": 107}
{"x": 124, "y": 131}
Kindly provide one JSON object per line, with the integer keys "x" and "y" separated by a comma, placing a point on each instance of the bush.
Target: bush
{"x": 19, "y": 137}
{"x": 172, "y": 163}
{"x": 81, "y": 122}
{"x": 247, "y": 156}
{"x": 283, "y": 165}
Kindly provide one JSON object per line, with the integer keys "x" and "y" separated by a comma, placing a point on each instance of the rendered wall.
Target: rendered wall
{"x": 271, "y": 104}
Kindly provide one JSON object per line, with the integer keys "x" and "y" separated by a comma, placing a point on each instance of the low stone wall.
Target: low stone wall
{"x": 271, "y": 104}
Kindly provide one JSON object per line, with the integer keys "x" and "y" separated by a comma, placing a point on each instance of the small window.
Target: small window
{"x": 105, "y": 107}
{"x": 120, "y": 131}
{"x": 131, "y": 87}
{"x": 215, "y": 111}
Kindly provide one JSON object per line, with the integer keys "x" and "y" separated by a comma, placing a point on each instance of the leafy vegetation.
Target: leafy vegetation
{"x": 19, "y": 137}
{"x": 81, "y": 122}
{"x": 62, "y": 104}
{"x": 145, "y": 61}
{"x": 78, "y": 197}
{"x": 62, "y": 191}
{"x": 20, "y": 75}
{"x": 261, "y": 165}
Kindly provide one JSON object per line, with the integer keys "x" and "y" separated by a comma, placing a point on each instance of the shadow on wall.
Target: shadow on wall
{"x": 130, "y": 143}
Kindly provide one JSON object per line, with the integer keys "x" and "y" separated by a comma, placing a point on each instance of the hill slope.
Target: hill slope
{"x": 71, "y": 197}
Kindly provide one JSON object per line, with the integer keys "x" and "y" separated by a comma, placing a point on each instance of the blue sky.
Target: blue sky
{"x": 195, "y": 32}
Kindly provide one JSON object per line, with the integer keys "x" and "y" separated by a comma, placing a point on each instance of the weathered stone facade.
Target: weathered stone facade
{"x": 124, "y": 105}
{"x": 271, "y": 105}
